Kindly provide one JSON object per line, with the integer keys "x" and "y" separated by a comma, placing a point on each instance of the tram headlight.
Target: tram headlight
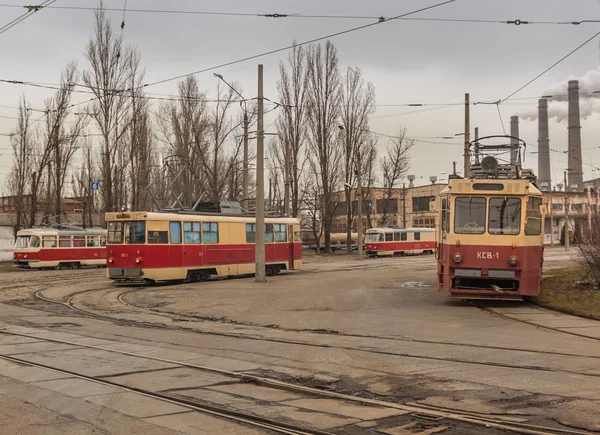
{"x": 513, "y": 261}
{"x": 457, "y": 258}
{"x": 25, "y": 256}
{"x": 110, "y": 260}
{"x": 138, "y": 260}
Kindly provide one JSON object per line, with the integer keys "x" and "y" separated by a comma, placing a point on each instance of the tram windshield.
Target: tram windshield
{"x": 22, "y": 242}
{"x": 374, "y": 237}
{"x": 469, "y": 215}
{"x": 504, "y": 216}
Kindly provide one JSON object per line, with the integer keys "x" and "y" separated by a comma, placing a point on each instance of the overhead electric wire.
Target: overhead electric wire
{"x": 516, "y": 22}
{"x": 30, "y": 11}
{"x": 310, "y": 41}
{"x": 552, "y": 66}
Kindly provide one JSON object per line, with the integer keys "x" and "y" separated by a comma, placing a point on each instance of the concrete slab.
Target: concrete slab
{"x": 198, "y": 423}
{"x": 363, "y": 412}
{"x": 592, "y": 332}
{"x": 29, "y": 410}
{"x": 40, "y": 346}
{"x": 76, "y": 387}
{"x": 211, "y": 396}
{"x": 8, "y": 365}
{"x": 257, "y": 392}
{"x": 170, "y": 379}
{"x": 15, "y": 339}
{"x": 32, "y": 374}
{"x": 92, "y": 362}
{"x": 290, "y": 414}
{"x": 232, "y": 365}
{"x": 136, "y": 405}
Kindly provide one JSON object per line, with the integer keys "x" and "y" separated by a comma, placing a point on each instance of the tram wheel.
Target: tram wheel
{"x": 76, "y": 265}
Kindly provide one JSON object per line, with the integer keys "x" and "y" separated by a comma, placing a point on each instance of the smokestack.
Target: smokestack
{"x": 514, "y": 131}
{"x": 575, "y": 169}
{"x": 544, "y": 179}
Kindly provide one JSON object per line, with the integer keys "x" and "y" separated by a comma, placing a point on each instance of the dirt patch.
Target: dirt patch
{"x": 7, "y": 266}
{"x": 570, "y": 290}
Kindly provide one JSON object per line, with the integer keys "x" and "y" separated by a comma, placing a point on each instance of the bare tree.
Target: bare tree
{"x": 291, "y": 125}
{"x": 112, "y": 67}
{"x": 368, "y": 161}
{"x": 324, "y": 98}
{"x": 358, "y": 102}
{"x": 18, "y": 178}
{"x": 184, "y": 126}
{"x": 63, "y": 141}
{"x": 82, "y": 183}
{"x": 393, "y": 166}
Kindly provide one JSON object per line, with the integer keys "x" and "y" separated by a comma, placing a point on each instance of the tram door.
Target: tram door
{"x": 290, "y": 245}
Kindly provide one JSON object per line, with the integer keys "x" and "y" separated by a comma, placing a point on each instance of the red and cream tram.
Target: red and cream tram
{"x": 491, "y": 235}
{"x": 170, "y": 246}
{"x": 399, "y": 241}
{"x": 48, "y": 248}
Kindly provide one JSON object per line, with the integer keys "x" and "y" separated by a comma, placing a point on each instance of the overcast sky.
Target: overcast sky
{"x": 407, "y": 61}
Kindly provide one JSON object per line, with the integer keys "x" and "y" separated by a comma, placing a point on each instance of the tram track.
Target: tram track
{"x": 118, "y": 320}
{"x": 434, "y": 412}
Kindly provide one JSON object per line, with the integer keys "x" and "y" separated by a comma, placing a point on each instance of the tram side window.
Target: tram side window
{"x": 504, "y": 216}
{"x": 469, "y": 215}
{"x": 417, "y": 236}
{"x": 115, "y": 233}
{"x": 445, "y": 215}
{"x": 135, "y": 232}
{"x": 269, "y": 236}
{"x": 396, "y": 237}
{"x": 102, "y": 241}
{"x": 533, "y": 222}
{"x": 210, "y": 232}
{"x": 191, "y": 233}
{"x": 92, "y": 241}
{"x": 280, "y": 233}
{"x": 175, "y": 232}
{"x": 156, "y": 237}
{"x": 250, "y": 233}
{"x": 79, "y": 241}
{"x": 389, "y": 237}
{"x": 35, "y": 242}
{"x": 403, "y": 237}
{"x": 49, "y": 242}
{"x": 297, "y": 237}
{"x": 64, "y": 241}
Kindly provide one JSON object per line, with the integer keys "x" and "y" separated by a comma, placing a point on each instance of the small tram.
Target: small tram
{"x": 192, "y": 246}
{"x": 491, "y": 235}
{"x": 51, "y": 248}
{"x": 383, "y": 241}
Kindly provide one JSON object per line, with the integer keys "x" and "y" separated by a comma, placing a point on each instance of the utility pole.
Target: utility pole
{"x": 286, "y": 180}
{"x": 359, "y": 224}
{"x": 476, "y": 145}
{"x": 270, "y": 202}
{"x": 467, "y": 155}
{"x": 567, "y": 226}
{"x": 245, "y": 163}
{"x": 260, "y": 186}
{"x": 404, "y": 206}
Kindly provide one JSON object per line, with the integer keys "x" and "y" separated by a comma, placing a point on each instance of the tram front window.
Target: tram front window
{"x": 135, "y": 232}
{"x": 504, "y": 216}
{"x": 22, "y": 241}
{"x": 469, "y": 215}
{"x": 374, "y": 237}
{"x": 115, "y": 233}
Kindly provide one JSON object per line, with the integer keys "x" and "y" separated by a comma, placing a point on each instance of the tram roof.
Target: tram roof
{"x": 401, "y": 230}
{"x": 477, "y": 186}
{"x": 61, "y": 231}
{"x": 195, "y": 216}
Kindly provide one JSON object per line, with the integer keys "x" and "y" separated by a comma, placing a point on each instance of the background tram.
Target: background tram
{"x": 491, "y": 235}
{"x": 47, "y": 248}
{"x": 171, "y": 246}
{"x": 380, "y": 242}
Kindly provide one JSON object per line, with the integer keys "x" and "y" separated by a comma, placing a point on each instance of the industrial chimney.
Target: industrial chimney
{"x": 575, "y": 183}
{"x": 514, "y": 132}
{"x": 544, "y": 179}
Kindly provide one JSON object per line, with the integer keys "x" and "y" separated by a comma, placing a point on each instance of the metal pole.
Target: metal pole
{"x": 476, "y": 145}
{"x": 403, "y": 205}
{"x": 245, "y": 163}
{"x": 286, "y": 176}
{"x": 551, "y": 218}
{"x": 567, "y": 241}
{"x": 359, "y": 224}
{"x": 467, "y": 156}
{"x": 260, "y": 185}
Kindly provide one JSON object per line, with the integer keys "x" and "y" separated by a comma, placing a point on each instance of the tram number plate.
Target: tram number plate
{"x": 487, "y": 255}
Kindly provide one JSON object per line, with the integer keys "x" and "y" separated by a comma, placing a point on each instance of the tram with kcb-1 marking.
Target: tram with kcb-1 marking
{"x": 491, "y": 232}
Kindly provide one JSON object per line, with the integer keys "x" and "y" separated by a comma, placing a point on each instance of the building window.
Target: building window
{"x": 191, "y": 233}
{"x": 576, "y": 207}
{"x": 421, "y": 203}
{"x": 250, "y": 233}
{"x": 390, "y": 205}
{"x": 210, "y": 232}
{"x": 557, "y": 206}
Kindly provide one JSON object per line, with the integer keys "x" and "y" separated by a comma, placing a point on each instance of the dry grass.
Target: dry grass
{"x": 571, "y": 291}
